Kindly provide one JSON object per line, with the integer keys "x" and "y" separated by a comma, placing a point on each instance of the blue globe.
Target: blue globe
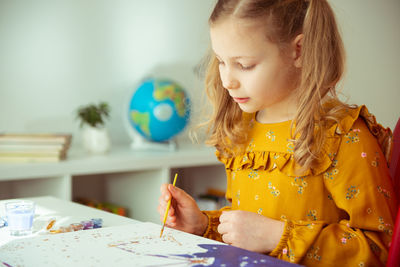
{"x": 159, "y": 109}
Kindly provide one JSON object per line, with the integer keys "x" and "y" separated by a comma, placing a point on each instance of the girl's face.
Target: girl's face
{"x": 254, "y": 71}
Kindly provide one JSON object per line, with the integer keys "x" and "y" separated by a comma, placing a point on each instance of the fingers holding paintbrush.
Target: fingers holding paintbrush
{"x": 167, "y": 209}
{"x": 183, "y": 213}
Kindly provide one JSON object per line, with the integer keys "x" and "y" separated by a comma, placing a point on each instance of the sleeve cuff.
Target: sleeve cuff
{"x": 213, "y": 222}
{"x": 283, "y": 241}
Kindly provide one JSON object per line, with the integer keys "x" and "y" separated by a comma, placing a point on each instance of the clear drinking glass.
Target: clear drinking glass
{"x": 20, "y": 217}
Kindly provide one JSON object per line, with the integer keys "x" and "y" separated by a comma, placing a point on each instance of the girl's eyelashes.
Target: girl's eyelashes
{"x": 238, "y": 64}
{"x": 246, "y": 67}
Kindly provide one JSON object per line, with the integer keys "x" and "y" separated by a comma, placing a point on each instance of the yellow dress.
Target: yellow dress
{"x": 340, "y": 213}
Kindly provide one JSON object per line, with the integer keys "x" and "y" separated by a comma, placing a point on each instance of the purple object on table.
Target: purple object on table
{"x": 226, "y": 255}
{"x": 87, "y": 225}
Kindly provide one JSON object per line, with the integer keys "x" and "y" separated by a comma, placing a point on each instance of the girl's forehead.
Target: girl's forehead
{"x": 240, "y": 28}
{"x": 234, "y": 38}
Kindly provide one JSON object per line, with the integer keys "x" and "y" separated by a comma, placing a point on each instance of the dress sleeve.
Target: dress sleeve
{"x": 359, "y": 183}
{"x": 213, "y": 215}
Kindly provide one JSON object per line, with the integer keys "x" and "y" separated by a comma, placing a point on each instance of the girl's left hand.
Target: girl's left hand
{"x": 250, "y": 230}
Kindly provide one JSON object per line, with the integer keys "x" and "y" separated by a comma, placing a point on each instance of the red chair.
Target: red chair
{"x": 394, "y": 252}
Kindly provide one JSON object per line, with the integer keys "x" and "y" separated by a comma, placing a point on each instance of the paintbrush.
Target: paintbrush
{"x": 168, "y": 205}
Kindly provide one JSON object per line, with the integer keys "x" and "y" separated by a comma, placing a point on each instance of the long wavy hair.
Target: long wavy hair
{"x": 323, "y": 63}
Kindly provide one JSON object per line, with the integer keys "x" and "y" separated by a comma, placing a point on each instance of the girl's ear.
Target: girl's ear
{"x": 297, "y": 44}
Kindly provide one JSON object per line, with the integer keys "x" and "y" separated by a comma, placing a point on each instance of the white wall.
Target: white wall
{"x": 56, "y": 55}
{"x": 371, "y": 33}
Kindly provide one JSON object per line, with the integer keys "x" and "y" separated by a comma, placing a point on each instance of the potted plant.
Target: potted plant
{"x": 92, "y": 121}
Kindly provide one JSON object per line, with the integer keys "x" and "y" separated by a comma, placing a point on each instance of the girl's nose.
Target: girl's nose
{"x": 229, "y": 81}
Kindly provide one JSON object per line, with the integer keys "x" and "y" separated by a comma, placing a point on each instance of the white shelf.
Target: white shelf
{"x": 119, "y": 159}
{"x": 123, "y": 176}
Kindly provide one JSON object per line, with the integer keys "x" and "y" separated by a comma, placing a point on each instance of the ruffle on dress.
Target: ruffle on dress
{"x": 384, "y": 136}
{"x": 285, "y": 163}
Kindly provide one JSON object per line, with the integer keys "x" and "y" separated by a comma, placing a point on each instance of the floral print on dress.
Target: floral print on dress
{"x": 331, "y": 174}
{"x": 375, "y": 161}
{"x": 332, "y": 156}
{"x": 385, "y": 227}
{"x": 291, "y": 255}
{"x": 312, "y": 215}
{"x": 347, "y": 236}
{"x": 356, "y": 162}
{"x": 352, "y": 192}
{"x": 334, "y": 163}
{"x": 251, "y": 145}
{"x": 313, "y": 253}
{"x": 275, "y": 192}
{"x": 253, "y": 174}
{"x": 299, "y": 183}
{"x": 383, "y": 191}
{"x": 352, "y": 136}
{"x": 238, "y": 197}
{"x": 333, "y": 171}
{"x": 270, "y": 136}
{"x": 310, "y": 226}
{"x": 290, "y": 147}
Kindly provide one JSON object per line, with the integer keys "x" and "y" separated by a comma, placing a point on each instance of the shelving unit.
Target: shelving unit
{"x": 123, "y": 176}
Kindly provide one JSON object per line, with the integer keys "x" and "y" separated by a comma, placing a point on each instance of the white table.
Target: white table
{"x": 65, "y": 212}
{"x": 120, "y": 242}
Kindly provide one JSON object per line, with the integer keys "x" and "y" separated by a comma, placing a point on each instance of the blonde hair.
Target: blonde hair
{"x": 323, "y": 63}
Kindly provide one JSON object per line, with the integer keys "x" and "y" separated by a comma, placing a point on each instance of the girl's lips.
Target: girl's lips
{"x": 241, "y": 99}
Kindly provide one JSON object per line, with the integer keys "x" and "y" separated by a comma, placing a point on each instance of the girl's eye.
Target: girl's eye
{"x": 246, "y": 67}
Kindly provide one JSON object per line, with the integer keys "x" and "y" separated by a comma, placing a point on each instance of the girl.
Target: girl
{"x": 306, "y": 174}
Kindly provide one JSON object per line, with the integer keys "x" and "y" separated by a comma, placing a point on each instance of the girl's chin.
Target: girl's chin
{"x": 247, "y": 108}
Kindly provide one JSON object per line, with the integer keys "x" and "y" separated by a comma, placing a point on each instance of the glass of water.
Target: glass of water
{"x": 20, "y": 217}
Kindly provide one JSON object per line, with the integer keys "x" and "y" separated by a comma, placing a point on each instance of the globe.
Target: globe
{"x": 159, "y": 109}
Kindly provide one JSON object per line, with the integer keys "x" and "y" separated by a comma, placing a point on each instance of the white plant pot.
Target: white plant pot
{"x": 96, "y": 140}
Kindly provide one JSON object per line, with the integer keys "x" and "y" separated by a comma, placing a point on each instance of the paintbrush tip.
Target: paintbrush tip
{"x": 162, "y": 230}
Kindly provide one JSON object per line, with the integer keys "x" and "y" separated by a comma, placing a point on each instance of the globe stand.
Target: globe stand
{"x": 140, "y": 143}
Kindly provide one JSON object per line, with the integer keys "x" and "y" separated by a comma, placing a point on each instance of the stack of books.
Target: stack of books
{"x": 34, "y": 147}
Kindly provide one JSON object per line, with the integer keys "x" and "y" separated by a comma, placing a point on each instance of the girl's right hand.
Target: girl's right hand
{"x": 184, "y": 214}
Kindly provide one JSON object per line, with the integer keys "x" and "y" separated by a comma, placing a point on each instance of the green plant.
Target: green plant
{"x": 93, "y": 115}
